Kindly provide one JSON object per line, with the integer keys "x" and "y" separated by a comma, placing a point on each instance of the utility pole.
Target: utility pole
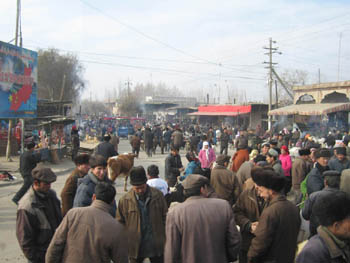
{"x": 339, "y": 51}
{"x": 271, "y": 51}
{"x": 319, "y": 76}
{"x": 128, "y": 84}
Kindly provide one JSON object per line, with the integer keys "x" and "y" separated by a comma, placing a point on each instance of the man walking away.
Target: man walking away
{"x": 201, "y": 229}
{"x": 90, "y": 234}
{"x": 224, "y": 181}
{"x": 70, "y": 187}
{"x": 75, "y": 142}
{"x": 224, "y": 140}
{"x": 143, "y": 211}
{"x": 135, "y": 144}
{"x": 38, "y": 216}
{"x": 27, "y": 163}
{"x": 155, "y": 181}
{"x": 105, "y": 148}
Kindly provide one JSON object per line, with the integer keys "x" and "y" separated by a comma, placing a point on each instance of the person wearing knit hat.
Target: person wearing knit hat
{"x": 279, "y": 221}
{"x": 272, "y": 159}
{"x": 339, "y": 162}
{"x": 314, "y": 180}
{"x": 143, "y": 211}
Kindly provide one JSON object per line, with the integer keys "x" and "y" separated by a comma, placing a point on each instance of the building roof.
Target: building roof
{"x": 311, "y": 109}
{"x": 321, "y": 86}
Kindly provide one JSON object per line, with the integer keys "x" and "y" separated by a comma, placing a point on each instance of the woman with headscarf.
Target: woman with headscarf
{"x": 206, "y": 156}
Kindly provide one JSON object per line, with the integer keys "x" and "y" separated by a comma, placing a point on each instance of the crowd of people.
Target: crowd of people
{"x": 218, "y": 208}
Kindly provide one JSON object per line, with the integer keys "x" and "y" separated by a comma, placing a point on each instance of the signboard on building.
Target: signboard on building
{"x": 18, "y": 82}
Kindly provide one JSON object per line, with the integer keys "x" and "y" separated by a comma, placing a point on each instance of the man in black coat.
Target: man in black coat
{"x": 27, "y": 163}
{"x": 148, "y": 139}
{"x": 224, "y": 140}
{"x": 173, "y": 166}
{"x": 105, "y": 148}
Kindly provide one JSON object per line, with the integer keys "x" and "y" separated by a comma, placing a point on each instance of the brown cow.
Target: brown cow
{"x": 120, "y": 165}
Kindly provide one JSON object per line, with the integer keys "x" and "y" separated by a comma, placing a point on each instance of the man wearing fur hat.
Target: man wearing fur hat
{"x": 277, "y": 231}
{"x": 143, "y": 212}
{"x": 314, "y": 181}
{"x": 340, "y": 162}
{"x": 224, "y": 181}
{"x": 38, "y": 216}
{"x": 201, "y": 229}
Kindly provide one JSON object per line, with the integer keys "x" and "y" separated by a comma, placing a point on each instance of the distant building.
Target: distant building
{"x": 164, "y": 108}
{"x": 318, "y": 106}
{"x": 248, "y": 116}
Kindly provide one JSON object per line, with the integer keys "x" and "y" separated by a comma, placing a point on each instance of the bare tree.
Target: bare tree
{"x": 94, "y": 108}
{"x": 59, "y": 76}
{"x": 291, "y": 78}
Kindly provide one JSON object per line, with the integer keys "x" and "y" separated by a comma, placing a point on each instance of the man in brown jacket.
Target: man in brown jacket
{"x": 300, "y": 168}
{"x": 90, "y": 234}
{"x": 224, "y": 181}
{"x": 247, "y": 210}
{"x": 201, "y": 229}
{"x": 70, "y": 187}
{"x": 135, "y": 143}
{"x": 143, "y": 211}
{"x": 277, "y": 231}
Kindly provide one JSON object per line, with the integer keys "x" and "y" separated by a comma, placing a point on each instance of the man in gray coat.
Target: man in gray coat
{"x": 201, "y": 229}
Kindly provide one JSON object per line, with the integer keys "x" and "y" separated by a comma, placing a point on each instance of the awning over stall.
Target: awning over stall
{"x": 222, "y": 110}
{"x": 311, "y": 109}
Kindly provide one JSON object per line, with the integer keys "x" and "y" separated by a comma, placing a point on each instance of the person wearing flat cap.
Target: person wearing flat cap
{"x": 272, "y": 159}
{"x": 314, "y": 180}
{"x": 201, "y": 229}
{"x": 143, "y": 211}
{"x": 224, "y": 181}
{"x": 340, "y": 162}
{"x": 277, "y": 231}
{"x": 331, "y": 185}
{"x": 38, "y": 216}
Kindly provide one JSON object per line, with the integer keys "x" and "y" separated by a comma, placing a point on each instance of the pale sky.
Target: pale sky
{"x": 197, "y": 46}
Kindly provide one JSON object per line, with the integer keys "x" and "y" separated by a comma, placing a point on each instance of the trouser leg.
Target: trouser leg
{"x": 27, "y": 182}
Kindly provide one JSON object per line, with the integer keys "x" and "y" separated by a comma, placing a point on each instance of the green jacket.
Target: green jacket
{"x": 128, "y": 214}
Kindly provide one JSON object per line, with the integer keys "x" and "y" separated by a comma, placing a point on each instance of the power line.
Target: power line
{"x": 148, "y": 36}
{"x": 166, "y": 70}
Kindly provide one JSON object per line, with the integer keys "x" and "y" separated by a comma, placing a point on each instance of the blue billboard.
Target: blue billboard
{"x": 18, "y": 82}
